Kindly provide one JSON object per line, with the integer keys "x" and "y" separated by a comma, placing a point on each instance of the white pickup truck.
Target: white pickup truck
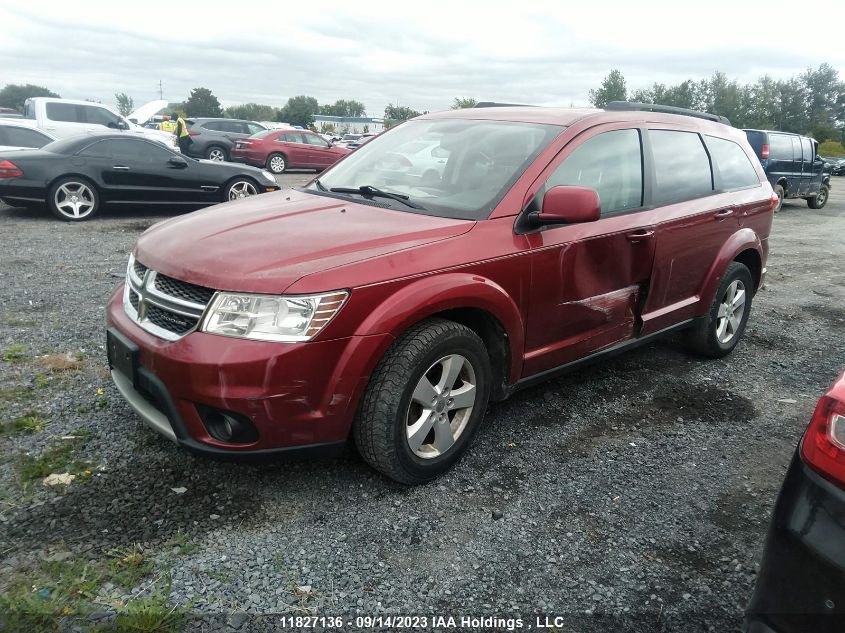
{"x": 66, "y": 117}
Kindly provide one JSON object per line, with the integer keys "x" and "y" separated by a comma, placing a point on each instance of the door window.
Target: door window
{"x": 313, "y": 139}
{"x": 254, "y": 128}
{"x": 67, "y": 112}
{"x": 780, "y": 147}
{"x": 21, "y": 137}
{"x": 128, "y": 150}
{"x": 100, "y": 116}
{"x": 233, "y": 127}
{"x": 796, "y": 151}
{"x": 214, "y": 126}
{"x": 734, "y": 169}
{"x": 611, "y": 163}
{"x": 681, "y": 166}
{"x": 291, "y": 137}
{"x": 807, "y": 146}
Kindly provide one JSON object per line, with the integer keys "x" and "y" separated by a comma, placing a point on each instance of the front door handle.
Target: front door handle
{"x": 120, "y": 167}
{"x": 724, "y": 213}
{"x": 639, "y": 236}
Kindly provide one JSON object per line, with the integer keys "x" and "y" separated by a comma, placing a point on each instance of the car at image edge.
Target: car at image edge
{"x": 22, "y": 134}
{"x": 800, "y": 586}
{"x": 395, "y": 310}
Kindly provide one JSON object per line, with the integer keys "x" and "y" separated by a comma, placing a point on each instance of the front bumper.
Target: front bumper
{"x": 801, "y": 584}
{"x": 300, "y": 397}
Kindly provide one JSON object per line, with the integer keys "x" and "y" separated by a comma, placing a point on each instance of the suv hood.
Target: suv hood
{"x": 146, "y": 111}
{"x": 266, "y": 243}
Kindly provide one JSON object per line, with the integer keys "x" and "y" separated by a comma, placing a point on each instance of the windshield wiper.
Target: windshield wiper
{"x": 320, "y": 185}
{"x": 369, "y": 191}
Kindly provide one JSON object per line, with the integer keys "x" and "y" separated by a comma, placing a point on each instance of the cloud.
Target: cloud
{"x": 417, "y": 55}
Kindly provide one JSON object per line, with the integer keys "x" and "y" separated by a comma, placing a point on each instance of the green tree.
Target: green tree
{"x": 202, "y": 102}
{"x": 459, "y": 103}
{"x": 251, "y": 112}
{"x": 394, "y": 114}
{"x": 125, "y": 103}
{"x": 14, "y": 95}
{"x": 299, "y": 110}
{"x": 613, "y": 88}
{"x": 344, "y": 108}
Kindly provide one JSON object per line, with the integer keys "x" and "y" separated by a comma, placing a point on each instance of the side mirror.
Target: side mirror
{"x": 122, "y": 125}
{"x": 177, "y": 162}
{"x": 566, "y": 204}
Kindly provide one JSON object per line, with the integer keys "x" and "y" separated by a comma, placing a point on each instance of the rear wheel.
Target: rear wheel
{"x": 820, "y": 199}
{"x": 217, "y": 154}
{"x": 780, "y": 193}
{"x": 73, "y": 199}
{"x": 424, "y": 402}
{"x": 720, "y": 330}
{"x": 277, "y": 163}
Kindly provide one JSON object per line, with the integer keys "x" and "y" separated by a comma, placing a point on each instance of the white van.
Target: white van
{"x": 66, "y": 117}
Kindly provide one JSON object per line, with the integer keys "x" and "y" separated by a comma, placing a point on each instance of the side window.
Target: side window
{"x": 233, "y": 127}
{"x": 214, "y": 126}
{"x": 612, "y": 164}
{"x": 732, "y": 164}
{"x": 137, "y": 150}
{"x": 21, "y": 137}
{"x": 780, "y": 147}
{"x": 254, "y": 128}
{"x": 681, "y": 166}
{"x": 313, "y": 139}
{"x": 796, "y": 150}
{"x": 67, "y": 112}
{"x": 807, "y": 146}
{"x": 291, "y": 137}
{"x": 100, "y": 116}
{"x": 100, "y": 149}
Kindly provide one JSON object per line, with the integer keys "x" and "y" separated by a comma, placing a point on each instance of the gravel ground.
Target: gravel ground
{"x": 634, "y": 495}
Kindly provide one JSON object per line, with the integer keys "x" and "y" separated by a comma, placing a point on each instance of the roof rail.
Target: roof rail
{"x": 653, "y": 107}
{"x": 493, "y": 104}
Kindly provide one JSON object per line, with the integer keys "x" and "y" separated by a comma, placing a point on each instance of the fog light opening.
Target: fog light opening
{"x": 227, "y": 426}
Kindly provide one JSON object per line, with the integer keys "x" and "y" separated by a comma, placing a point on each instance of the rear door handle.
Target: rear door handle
{"x": 120, "y": 167}
{"x": 639, "y": 236}
{"x": 724, "y": 213}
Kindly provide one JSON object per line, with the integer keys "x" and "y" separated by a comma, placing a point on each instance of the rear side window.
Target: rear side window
{"x": 780, "y": 147}
{"x": 796, "y": 149}
{"x": 807, "y": 146}
{"x": 681, "y": 166}
{"x": 214, "y": 126}
{"x": 611, "y": 163}
{"x": 21, "y": 137}
{"x": 66, "y": 112}
{"x": 731, "y": 164}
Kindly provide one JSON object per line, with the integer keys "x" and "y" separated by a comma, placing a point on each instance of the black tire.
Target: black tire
{"x": 275, "y": 166}
{"x": 213, "y": 149}
{"x": 380, "y": 426}
{"x": 818, "y": 201}
{"x": 703, "y": 338}
{"x": 239, "y": 184}
{"x": 780, "y": 194}
{"x": 71, "y": 183}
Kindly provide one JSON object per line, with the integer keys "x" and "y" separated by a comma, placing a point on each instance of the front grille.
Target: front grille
{"x": 183, "y": 290}
{"x": 170, "y": 321}
{"x": 167, "y": 307}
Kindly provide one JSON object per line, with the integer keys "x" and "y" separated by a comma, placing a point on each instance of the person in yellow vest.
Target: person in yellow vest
{"x": 183, "y": 137}
{"x": 168, "y": 125}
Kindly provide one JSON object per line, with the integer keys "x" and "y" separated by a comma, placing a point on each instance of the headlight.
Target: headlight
{"x": 268, "y": 176}
{"x": 272, "y": 318}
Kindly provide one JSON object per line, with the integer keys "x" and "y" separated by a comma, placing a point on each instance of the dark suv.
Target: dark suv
{"x": 214, "y": 138}
{"x": 792, "y": 165}
{"x": 376, "y": 303}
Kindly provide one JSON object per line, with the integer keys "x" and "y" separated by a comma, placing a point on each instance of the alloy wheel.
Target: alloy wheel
{"x": 731, "y": 310}
{"x": 75, "y": 200}
{"x": 441, "y": 406}
{"x": 242, "y": 189}
{"x": 277, "y": 164}
{"x": 217, "y": 155}
{"x": 821, "y": 197}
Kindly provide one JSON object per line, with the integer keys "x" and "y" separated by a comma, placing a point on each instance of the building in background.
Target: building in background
{"x": 348, "y": 124}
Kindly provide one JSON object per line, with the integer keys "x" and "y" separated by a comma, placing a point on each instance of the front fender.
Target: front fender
{"x": 744, "y": 239}
{"x": 430, "y": 295}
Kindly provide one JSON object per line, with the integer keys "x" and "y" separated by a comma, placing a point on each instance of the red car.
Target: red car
{"x": 375, "y": 303}
{"x": 280, "y": 150}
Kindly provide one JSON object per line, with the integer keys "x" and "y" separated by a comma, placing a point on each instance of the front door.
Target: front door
{"x": 319, "y": 151}
{"x": 589, "y": 280}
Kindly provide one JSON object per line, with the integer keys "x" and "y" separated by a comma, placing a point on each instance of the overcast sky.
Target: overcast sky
{"x": 420, "y": 54}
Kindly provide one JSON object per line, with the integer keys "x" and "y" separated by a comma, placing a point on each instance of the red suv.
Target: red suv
{"x": 280, "y": 150}
{"x": 378, "y": 303}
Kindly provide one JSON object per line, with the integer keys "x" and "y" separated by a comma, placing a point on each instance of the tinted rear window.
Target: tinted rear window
{"x": 732, "y": 165}
{"x": 67, "y": 112}
{"x": 780, "y": 147}
{"x": 681, "y": 166}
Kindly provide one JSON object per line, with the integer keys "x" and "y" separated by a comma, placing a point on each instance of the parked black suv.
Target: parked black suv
{"x": 792, "y": 165}
{"x": 214, "y": 138}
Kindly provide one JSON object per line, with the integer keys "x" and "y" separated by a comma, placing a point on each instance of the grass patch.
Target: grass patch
{"x": 17, "y": 394}
{"x": 62, "y": 362}
{"x": 187, "y": 546}
{"x": 28, "y": 423}
{"x": 14, "y": 353}
{"x": 58, "y": 458}
{"x": 58, "y": 594}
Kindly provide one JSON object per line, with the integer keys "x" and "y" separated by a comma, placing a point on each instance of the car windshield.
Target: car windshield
{"x": 456, "y": 168}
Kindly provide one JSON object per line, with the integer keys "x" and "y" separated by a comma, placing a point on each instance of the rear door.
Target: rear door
{"x": 588, "y": 279}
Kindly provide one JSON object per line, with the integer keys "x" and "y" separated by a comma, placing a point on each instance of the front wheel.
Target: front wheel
{"x": 240, "y": 188}
{"x": 719, "y": 331}
{"x": 424, "y": 402}
{"x": 73, "y": 199}
{"x": 820, "y": 199}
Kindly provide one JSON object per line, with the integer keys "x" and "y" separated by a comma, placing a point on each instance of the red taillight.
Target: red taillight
{"x": 764, "y": 151}
{"x": 823, "y": 446}
{"x": 9, "y": 170}
{"x": 773, "y": 201}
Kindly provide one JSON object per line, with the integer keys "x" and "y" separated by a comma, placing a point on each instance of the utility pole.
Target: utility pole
{"x": 160, "y": 91}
